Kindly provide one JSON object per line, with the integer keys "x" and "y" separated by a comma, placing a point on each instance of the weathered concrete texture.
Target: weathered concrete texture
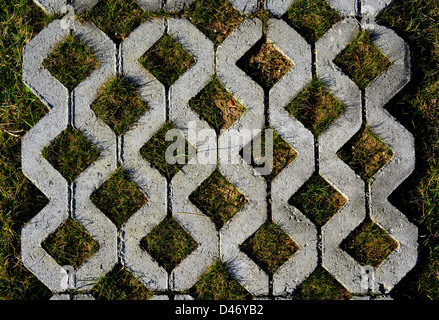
{"x": 290, "y": 219}
{"x": 245, "y": 6}
{"x": 167, "y": 5}
{"x": 373, "y": 7}
{"x": 83, "y": 5}
{"x": 347, "y": 8}
{"x": 278, "y": 7}
{"x": 149, "y": 180}
{"x": 249, "y": 219}
{"x": 51, "y": 7}
{"x": 402, "y": 143}
{"x": 184, "y": 183}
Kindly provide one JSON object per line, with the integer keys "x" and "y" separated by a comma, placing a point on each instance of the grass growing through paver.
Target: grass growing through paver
{"x": 362, "y": 60}
{"x": 119, "y": 104}
{"x": 312, "y": 18}
{"x": 119, "y": 197}
{"x": 265, "y": 64}
{"x": 270, "y": 247}
{"x": 70, "y": 244}
{"x": 318, "y": 200}
{"x": 167, "y": 60}
{"x": 215, "y": 18}
{"x": 365, "y": 153}
{"x": 120, "y": 284}
{"x": 416, "y": 108}
{"x": 154, "y": 151}
{"x": 369, "y": 244}
{"x": 217, "y": 106}
{"x": 218, "y": 198}
{"x": 316, "y": 107}
{"x": 70, "y": 153}
{"x": 169, "y": 244}
{"x": 218, "y": 284}
{"x": 117, "y": 18}
{"x": 321, "y": 285}
{"x": 71, "y": 62}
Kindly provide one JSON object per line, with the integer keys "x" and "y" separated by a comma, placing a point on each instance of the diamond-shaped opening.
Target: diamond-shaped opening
{"x": 318, "y": 200}
{"x": 362, "y": 60}
{"x": 369, "y": 244}
{"x": 283, "y": 153}
{"x": 365, "y": 153}
{"x": 70, "y": 153}
{"x": 216, "y": 106}
{"x": 167, "y": 60}
{"x": 218, "y": 284}
{"x": 265, "y": 64}
{"x": 119, "y": 104}
{"x": 117, "y": 18}
{"x": 120, "y": 284}
{"x": 169, "y": 243}
{"x": 312, "y": 18}
{"x": 70, "y": 244}
{"x": 270, "y": 247}
{"x": 119, "y": 197}
{"x": 321, "y": 285}
{"x": 216, "y": 19}
{"x": 316, "y": 107}
{"x": 218, "y": 198}
{"x": 71, "y": 62}
{"x": 154, "y": 151}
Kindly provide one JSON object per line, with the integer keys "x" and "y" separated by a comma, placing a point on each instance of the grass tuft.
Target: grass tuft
{"x": 167, "y": 60}
{"x": 119, "y": 104}
{"x": 218, "y": 199}
{"x": 270, "y": 247}
{"x": 71, "y": 62}
{"x": 312, "y": 18}
{"x": 119, "y": 197}
{"x": 70, "y": 153}
{"x": 365, "y": 153}
{"x": 70, "y": 244}
{"x": 362, "y": 60}
{"x": 316, "y": 107}
{"x": 169, "y": 244}
{"x": 318, "y": 200}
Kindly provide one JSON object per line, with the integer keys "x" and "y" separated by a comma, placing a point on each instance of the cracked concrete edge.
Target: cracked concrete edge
{"x": 254, "y": 213}
{"x": 342, "y": 178}
{"x": 296, "y": 225}
{"x": 402, "y": 164}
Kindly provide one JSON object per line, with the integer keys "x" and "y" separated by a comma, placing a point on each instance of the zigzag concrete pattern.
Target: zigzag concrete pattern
{"x": 316, "y": 245}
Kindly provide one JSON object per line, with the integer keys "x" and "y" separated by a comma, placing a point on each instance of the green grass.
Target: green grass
{"x": 119, "y": 104}
{"x": 167, "y": 60}
{"x": 218, "y": 198}
{"x": 315, "y": 107}
{"x": 218, "y": 284}
{"x": 416, "y": 108}
{"x": 119, "y": 197}
{"x": 369, "y": 244}
{"x": 70, "y": 244}
{"x": 117, "y": 18}
{"x": 154, "y": 151}
{"x": 169, "y": 244}
{"x": 215, "y": 18}
{"x": 312, "y": 18}
{"x": 71, "y": 62}
{"x": 270, "y": 247}
{"x": 217, "y": 106}
{"x": 120, "y": 284}
{"x": 365, "y": 153}
{"x": 362, "y": 60}
{"x": 70, "y": 153}
{"x": 318, "y": 200}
